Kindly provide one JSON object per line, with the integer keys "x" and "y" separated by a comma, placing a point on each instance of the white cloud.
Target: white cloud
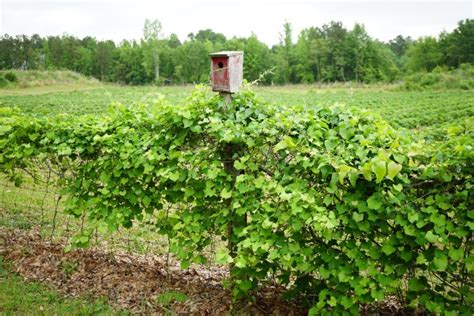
{"x": 123, "y": 19}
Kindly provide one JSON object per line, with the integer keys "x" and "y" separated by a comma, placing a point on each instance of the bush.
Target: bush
{"x": 331, "y": 202}
{"x": 441, "y": 78}
{"x": 3, "y": 82}
{"x": 10, "y": 76}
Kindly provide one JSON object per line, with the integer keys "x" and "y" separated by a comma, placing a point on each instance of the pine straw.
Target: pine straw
{"x": 131, "y": 282}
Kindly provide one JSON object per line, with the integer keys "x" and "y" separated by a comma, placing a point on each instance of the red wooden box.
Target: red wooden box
{"x": 227, "y": 71}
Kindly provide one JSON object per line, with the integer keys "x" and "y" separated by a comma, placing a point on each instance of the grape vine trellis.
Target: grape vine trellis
{"x": 334, "y": 203}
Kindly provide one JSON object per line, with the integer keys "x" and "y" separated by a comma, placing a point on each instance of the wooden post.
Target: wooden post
{"x": 227, "y": 97}
{"x": 228, "y": 163}
{"x": 226, "y": 77}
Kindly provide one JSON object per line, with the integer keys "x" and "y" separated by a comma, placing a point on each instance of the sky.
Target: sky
{"x": 124, "y": 19}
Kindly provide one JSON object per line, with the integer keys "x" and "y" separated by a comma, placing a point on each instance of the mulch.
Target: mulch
{"x": 132, "y": 282}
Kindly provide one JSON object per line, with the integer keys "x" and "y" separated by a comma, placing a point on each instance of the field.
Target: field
{"x": 427, "y": 112}
{"x": 425, "y": 115}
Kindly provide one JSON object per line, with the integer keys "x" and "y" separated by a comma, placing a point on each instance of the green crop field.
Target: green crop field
{"x": 428, "y": 112}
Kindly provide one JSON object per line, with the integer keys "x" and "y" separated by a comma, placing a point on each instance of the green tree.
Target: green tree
{"x": 304, "y": 61}
{"x": 192, "y": 62}
{"x": 399, "y": 45}
{"x": 210, "y": 35}
{"x": 152, "y": 44}
{"x": 358, "y": 43}
{"x": 336, "y": 34}
{"x": 458, "y": 46}
{"x": 285, "y": 56}
{"x": 128, "y": 64}
{"x": 257, "y": 59}
{"x": 103, "y": 60}
{"x": 423, "y": 55}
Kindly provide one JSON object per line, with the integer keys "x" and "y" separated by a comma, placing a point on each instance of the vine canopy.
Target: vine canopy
{"x": 331, "y": 201}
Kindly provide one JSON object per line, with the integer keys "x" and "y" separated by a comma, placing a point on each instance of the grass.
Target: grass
{"x": 19, "y": 297}
{"x": 33, "y": 205}
{"x": 38, "y": 78}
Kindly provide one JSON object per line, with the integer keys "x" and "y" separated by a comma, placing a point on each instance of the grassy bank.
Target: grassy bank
{"x": 11, "y": 79}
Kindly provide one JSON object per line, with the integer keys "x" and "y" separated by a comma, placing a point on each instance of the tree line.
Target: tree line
{"x": 319, "y": 54}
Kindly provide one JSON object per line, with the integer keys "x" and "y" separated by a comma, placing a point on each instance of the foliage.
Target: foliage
{"x": 333, "y": 53}
{"x": 327, "y": 53}
{"x": 35, "y": 78}
{"x": 458, "y": 46}
{"x": 424, "y": 55}
{"x": 3, "y": 82}
{"x": 331, "y": 202}
{"x": 167, "y": 298}
{"x": 441, "y": 79}
{"x": 11, "y": 76}
{"x": 426, "y": 113}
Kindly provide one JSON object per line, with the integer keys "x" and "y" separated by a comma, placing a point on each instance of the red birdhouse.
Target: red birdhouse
{"x": 227, "y": 71}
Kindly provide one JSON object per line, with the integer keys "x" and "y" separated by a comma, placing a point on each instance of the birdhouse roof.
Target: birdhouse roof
{"x": 226, "y": 53}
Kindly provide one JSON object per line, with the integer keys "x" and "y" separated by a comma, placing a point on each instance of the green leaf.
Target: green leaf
{"x": 104, "y": 176}
{"x": 413, "y": 217}
{"x": 325, "y": 273}
{"x": 332, "y": 301}
{"x": 374, "y": 202}
{"x": 377, "y": 294}
{"x": 281, "y": 145}
{"x": 432, "y": 238}
{"x": 440, "y": 260}
{"x": 223, "y": 257}
{"x": 168, "y": 298}
{"x": 185, "y": 264}
{"x": 342, "y": 276}
{"x": 357, "y": 216}
{"x": 393, "y": 169}
{"x": 347, "y": 302}
{"x": 226, "y": 194}
{"x": 416, "y": 285}
{"x": 286, "y": 142}
{"x": 380, "y": 170}
{"x": 421, "y": 259}
{"x": 146, "y": 200}
{"x": 343, "y": 170}
{"x": 388, "y": 249}
{"x": 209, "y": 191}
{"x": 346, "y": 133}
{"x": 213, "y": 172}
{"x": 456, "y": 254}
{"x": 245, "y": 285}
{"x": 398, "y": 187}
{"x": 313, "y": 311}
{"x": 239, "y": 165}
{"x": 4, "y": 129}
{"x": 367, "y": 171}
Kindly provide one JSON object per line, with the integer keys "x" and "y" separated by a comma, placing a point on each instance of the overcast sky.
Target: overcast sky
{"x": 124, "y": 19}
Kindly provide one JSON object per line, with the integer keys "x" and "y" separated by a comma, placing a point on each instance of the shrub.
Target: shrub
{"x": 10, "y": 76}
{"x": 3, "y": 82}
{"x": 331, "y": 202}
{"x": 441, "y": 78}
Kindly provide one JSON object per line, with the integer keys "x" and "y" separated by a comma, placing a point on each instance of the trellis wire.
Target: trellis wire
{"x": 38, "y": 204}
